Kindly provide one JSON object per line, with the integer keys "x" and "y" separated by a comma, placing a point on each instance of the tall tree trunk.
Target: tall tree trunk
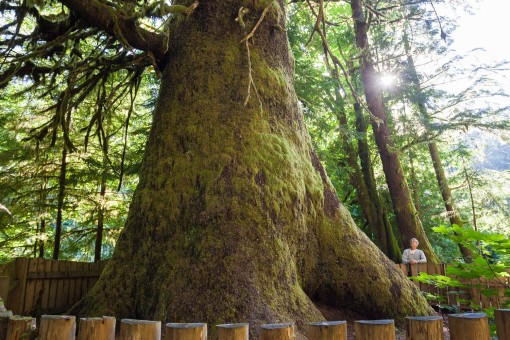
{"x": 384, "y": 223}
{"x": 101, "y": 214}
{"x": 367, "y": 206}
{"x": 408, "y": 222}
{"x": 60, "y": 203}
{"x": 234, "y": 217}
{"x": 442, "y": 182}
{"x": 42, "y": 230}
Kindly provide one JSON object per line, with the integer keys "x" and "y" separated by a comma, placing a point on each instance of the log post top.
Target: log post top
{"x": 139, "y": 322}
{"x": 468, "y": 315}
{"x": 376, "y": 322}
{"x": 185, "y": 325}
{"x": 233, "y": 325}
{"x": 58, "y": 317}
{"x": 424, "y": 318}
{"x": 326, "y": 323}
{"x": 277, "y": 325}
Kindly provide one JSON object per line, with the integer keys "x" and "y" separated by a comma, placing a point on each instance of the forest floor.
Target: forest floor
{"x": 333, "y": 314}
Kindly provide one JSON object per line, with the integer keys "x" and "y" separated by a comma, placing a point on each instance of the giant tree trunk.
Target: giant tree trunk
{"x": 408, "y": 221}
{"x": 234, "y": 218}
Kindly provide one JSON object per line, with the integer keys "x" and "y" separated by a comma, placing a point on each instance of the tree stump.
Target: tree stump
{"x": 277, "y": 331}
{"x": 4, "y": 321}
{"x": 97, "y": 328}
{"x": 20, "y": 327}
{"x": 57, "y": 327}
{"x": 424, "y": 328}
{"x": 469, "y": 326}
{"x": 140, "y": 329}
{"x": 502, "y": 317}
{"x": 374, "y": 330}
{"x": 233, "y": 331}
{"x": 186, "y": 331}
{"x": 327, "y": 330}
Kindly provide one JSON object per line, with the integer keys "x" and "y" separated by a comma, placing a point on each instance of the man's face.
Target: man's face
{"x": 414, "y": 244}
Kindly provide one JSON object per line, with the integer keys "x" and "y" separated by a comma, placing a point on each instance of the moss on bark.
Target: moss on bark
{"x": 234, "y": 218}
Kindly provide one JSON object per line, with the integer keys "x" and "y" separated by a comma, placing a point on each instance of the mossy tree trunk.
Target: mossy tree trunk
{"x": 234, "y": 218}
{"x": 408, "y": 221}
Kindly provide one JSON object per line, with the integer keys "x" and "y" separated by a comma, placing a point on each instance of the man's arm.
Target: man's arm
{"x": 405, "y": 257}
{"x": 422, "y": 259}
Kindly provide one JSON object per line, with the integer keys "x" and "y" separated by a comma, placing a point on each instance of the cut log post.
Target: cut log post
{"x": 97, "y": 328}
{"x": 140, "y": 329}
{"x": 233, "y": 331}
{"x": 327, "y": 330}
{"x": 374, "y": 330}
{"x": 4, "y": 322}
{"x": 186, "y": 331}
{"x": 21, "y": 327}
{"x": 424, "y": 328}
{"x": 502, "y": 317}
{"x": 57, "y": 327}
{"x": 277, "y": 331}
{"x": 469, "y": 326}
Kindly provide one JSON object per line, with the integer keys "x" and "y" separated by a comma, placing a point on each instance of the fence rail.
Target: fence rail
{"x": 35, "y": 286}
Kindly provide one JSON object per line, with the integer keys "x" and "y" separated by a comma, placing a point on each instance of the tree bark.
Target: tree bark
{"x": 60, "y": 203}
{"x": 384, "y": 223}
{"x": 101, "y": 214}
{"x": 234, "y": 217}
{"x": 408, "y": 222}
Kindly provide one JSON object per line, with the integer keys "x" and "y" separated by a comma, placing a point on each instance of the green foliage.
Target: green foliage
{"x": 492, "y": 262}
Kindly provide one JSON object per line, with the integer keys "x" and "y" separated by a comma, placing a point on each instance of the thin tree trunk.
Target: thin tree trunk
{"x": 408, "y": 221}
{"x": 100, "y": 216}
{"x": 60, "y": 203}
{"x": 442, "y": 182}
{"x": 384, "y": 223}
{"x": 42, "y": 230}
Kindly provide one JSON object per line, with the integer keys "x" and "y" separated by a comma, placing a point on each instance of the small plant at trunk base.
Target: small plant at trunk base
{"x": 478, "y": 285}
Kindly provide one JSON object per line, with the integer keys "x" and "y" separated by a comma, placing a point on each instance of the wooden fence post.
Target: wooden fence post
{"x": 97, "y": 328}
{"x": 374, "y": 330}
{"x": 20, "y": 327}
{"x": 502, "y": 317}
{"x": 186, "y": 331}
{"x": 57, "y": 327}
{"x": 424, "y": 328}
{"x": 277, "y": 331}
{"x": 327, "y": 330}
{"x": 469, "y": 326}
{"x": 233, "y": 331}
{"x": 140, "y": 329}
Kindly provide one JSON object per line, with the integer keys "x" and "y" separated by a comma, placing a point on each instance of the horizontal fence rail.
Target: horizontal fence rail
{"x": 466, "y": 326}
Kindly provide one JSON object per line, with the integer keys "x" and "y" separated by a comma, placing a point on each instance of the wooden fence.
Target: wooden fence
{"x": 38, "y": 286}
{"x": 480, "y": 294}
